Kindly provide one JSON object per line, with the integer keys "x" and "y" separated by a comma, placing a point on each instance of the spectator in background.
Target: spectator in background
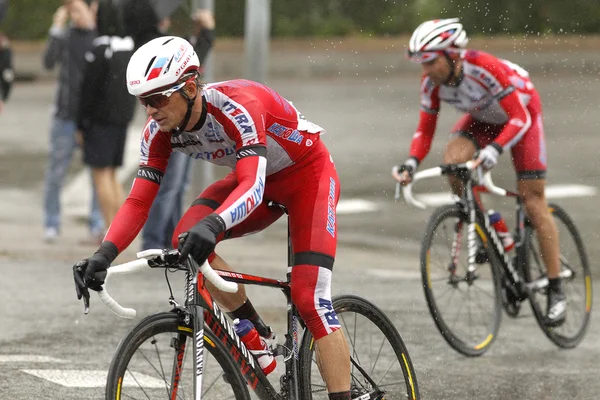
{"x": 70, "y": 37}
{"x": 106, "y": 108}
{"x": 6, "y": 72}
{"x": 167, "y": 209}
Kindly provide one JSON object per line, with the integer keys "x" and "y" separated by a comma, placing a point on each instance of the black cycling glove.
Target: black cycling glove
{"x": 201, "y": 240}
{"x": 91, "y": 272}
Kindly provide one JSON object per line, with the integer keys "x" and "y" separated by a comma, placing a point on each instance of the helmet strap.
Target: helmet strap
{"x": 452, "y": 75}
{"x": 190, "y": 105}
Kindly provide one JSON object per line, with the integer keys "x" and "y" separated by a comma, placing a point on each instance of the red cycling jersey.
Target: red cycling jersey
{"x": 275, "y": 155}
{"x": 499, "y": 99}
{"x": 243, "y": 118}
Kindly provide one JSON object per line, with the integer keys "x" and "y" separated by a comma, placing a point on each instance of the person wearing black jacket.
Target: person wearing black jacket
{"x": 143, "y": 24}
{"x": 106, "y": 108}
{"x": 70, "y": 37}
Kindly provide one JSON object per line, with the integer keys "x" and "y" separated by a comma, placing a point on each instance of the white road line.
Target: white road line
{"x": 355, "y": 206}
{"x": 90, "y": 379}
{"x": 28, "y": 358}
{"x": 394, "y": 273}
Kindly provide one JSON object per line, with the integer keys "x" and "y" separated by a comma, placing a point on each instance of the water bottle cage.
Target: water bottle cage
{"x": 258, "y": 353}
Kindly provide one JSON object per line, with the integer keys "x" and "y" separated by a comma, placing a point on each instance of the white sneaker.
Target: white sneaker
{"x": 50, "y": 234}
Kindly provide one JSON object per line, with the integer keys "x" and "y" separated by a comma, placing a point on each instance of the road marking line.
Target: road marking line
{"x": 28, "y": 358}
{"x": 355, "y": 206}
{"x": 90, "y": 379}
{"x": 393, "y": 273}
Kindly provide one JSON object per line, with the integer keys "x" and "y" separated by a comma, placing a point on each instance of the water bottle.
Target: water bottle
{"x": 256, "y": 344}
{"x": 501, "y": 229}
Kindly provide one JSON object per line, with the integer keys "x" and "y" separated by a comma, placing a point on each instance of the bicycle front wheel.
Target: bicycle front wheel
{"x": 154, "y": 361}
{"x": 380, "y": 364}
{"x": 577, "y": 285}
{"x": 465, "y": 305}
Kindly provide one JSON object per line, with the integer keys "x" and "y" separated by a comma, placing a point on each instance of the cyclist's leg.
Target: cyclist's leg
{"x": 460, "y": 148}
{"x": 238, "y": 304}
{"x": 311, "y": 199}
{"x": 530, "y": 161}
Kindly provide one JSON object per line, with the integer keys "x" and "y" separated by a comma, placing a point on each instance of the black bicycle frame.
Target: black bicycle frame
{"x": 477, "y": 217}
{"x": 205, "y": 311}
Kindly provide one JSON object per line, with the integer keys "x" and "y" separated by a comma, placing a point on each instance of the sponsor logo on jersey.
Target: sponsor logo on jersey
{"x": 212, "y": 134}
{"x": 245, "y": 153}
{"x": 157, "y": 68}
{"x": 286, "y": 133}
{"x": 213, "y": 155}
{"x": 240, "y": 118}
{"x": 331, "y": 208}
{"x": 246, "y": 206}
{"x": 147, "y": 136}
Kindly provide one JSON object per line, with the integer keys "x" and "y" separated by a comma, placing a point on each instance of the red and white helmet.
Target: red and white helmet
{"x": 434, "y": 37}
{"x": 159, "y": 65}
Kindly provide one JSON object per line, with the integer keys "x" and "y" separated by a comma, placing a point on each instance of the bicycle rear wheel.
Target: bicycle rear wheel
{"x": 465, "y": 306}
{"x": 577, "y": 287}
{"x": 146, "y": 359}
{"x": 381, "y": 367}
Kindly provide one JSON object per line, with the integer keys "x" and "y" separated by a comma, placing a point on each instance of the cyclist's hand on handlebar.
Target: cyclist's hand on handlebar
{"x": 488, "y": 156}
{"x": 200, "y": 241}
{"x": 404, "y": 173}
{"x": 90, "y": 273}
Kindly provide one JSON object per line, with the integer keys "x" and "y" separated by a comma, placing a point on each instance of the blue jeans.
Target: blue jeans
{"x": 62, "y": 145}
{"x": 167, "y": 209}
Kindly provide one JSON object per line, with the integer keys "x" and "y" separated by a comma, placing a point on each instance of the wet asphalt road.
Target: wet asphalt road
{"x": 369, "y": 123}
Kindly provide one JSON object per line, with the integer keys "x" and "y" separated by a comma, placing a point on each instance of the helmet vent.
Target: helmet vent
{"x": 167, "y": 41}
{"x": 169, "y": 64}
{"x": 149, "y": 65}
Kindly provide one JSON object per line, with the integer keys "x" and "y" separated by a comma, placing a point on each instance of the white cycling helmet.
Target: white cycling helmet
{"x": 159, "y": 65}
{"x": 432, "y": 37}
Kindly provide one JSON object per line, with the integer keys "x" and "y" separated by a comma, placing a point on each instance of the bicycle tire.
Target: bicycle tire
{"x": 169, "y": 323}
{"x": 560, "y": 335}
{"x": 445, "y": 218}
{"x": 310, "y": 382}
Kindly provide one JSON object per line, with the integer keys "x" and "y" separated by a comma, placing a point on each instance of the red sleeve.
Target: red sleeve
{"x": 131, "y": 217}
{"x": 519, "y": 120}
{"x": 421, "y": 142}
{"x": 250, "y": 170}
{"x": 430, "y": 108}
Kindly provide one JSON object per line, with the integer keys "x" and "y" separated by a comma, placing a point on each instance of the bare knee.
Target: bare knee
{"x": 459, "y": 150}
{"x": 534, "y": 199}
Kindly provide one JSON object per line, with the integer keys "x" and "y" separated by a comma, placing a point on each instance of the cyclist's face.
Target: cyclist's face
{"x": 169, "y": 113}
{"x": 438, "y": 69}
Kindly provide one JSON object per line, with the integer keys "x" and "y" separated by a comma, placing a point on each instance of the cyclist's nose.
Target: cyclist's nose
{"x": 150, "y": 110}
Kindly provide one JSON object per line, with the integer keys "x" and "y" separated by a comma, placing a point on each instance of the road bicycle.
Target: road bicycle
{"x": 153, "y": 360}
{"x": 466, "y": 287}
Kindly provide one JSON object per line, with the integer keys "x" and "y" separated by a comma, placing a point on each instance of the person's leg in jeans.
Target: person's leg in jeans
{"x": 167, "y": 207}
{"x": 62, "y": 144}
{"x": 178, "y": 208}
{"x": 95, "y": 220}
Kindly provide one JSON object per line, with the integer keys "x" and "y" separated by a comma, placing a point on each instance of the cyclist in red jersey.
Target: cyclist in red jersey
{"x": 275, "y": 155}
{"x": 502, "y": 112}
